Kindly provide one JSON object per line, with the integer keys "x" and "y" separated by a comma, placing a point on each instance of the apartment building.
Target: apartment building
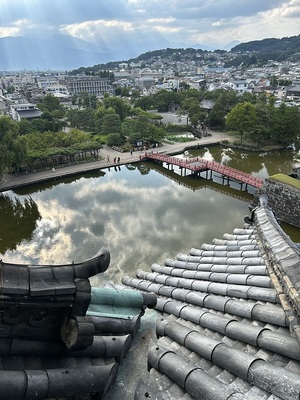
{"x": 90, "y": 84}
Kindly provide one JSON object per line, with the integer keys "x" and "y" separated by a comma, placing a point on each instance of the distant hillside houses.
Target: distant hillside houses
{"x": 151, "y": 75}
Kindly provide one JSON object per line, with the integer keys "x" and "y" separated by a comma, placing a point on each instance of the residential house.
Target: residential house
{"x": 241, "y": 86}
{"x": 146, "y": 84}
{"x": 293, "y": 92}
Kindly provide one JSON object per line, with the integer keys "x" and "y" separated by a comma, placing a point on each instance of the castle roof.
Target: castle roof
{"x": 227, "y": 317}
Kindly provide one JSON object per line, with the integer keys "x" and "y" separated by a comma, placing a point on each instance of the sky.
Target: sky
{"x": 152, "y": 24}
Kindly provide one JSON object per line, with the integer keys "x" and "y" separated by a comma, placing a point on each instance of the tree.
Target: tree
{"x": 141, "y": 123}
{"x": 216, "y": 118}
{"x": 224, "y": 99}
{"x": 116, "y": 139}
{"x": 83, "y": 119}
{"x": 111, "y": 123}
{"x": 74, "y": 99}
{"x": 142, "y": 126}
{"x": 184, "y": 86}
{"x": 134, "y": 137}
{"x": 10, "y": 89}
{"x": 145, "y": 102}
{"x": 122, "y": 91}
{"x": 153, "y": 133}
{"x": 135, "y": 95}
{"x": 163, "y": 98}
{"x": 196, "y": 113}
{"x": 14, "y": 213}
{"x": 261, "y": 132}
{"x": 87, "y": 100}
{"x": 12, "y": 148}
{"x": 188, "y": 103}
{"x": 18, "y": 153}
{"x": 242, "y": 118}
{"x": 49, "y": 139}
{"x": 120, "y": 106}
{"x": 52, "y": 147}
{"x": 284, "y": 82}
{"x": 98, "y": 115}
{"x": 25, "y": 126}
{"x": 50, "y": 104}
{"x": 285, "y": 124}
{"x": 248, "y": 97}
{"x": 128, "y": 126}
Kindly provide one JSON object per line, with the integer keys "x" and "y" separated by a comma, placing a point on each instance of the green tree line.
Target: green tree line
{"x": 124, "y": 121}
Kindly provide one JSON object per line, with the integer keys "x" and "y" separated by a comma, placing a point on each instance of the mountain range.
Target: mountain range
{"x": 56, "y": 52}
{"x": 64, "y": 52}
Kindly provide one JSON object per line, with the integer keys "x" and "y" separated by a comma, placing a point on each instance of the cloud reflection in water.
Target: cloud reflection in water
{"x": 141, "y": 219}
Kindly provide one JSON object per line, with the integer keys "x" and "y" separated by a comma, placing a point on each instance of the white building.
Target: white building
{"x": 90, "y": 84}
{"x": 46, "y": 82}
{"x": 240, "y": 86}
{"x": 25, "y": 111}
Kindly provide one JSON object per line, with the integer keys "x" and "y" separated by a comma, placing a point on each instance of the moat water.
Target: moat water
{"x": 141, "y": 213}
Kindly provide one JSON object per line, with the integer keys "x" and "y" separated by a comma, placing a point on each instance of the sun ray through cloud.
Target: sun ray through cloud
{"x": 123, "y": 29}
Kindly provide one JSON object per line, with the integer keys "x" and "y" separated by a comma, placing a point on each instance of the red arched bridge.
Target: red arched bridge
{"x": 198, "y": 165}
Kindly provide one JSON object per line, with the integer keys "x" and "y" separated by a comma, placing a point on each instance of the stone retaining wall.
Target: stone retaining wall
{"x": 283, "y": 199}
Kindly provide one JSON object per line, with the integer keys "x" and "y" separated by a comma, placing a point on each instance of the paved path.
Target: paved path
{"x": 12, "y": 181}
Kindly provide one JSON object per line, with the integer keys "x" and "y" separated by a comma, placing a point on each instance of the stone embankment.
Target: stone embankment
{"x": 283, "y": 197}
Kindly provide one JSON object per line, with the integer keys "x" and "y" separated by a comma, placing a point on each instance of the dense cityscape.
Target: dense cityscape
{"x": 149, "y": 200}
{"x": 168, "y": 70}
{"x": 225, "y": 311}
{"x": 111, "y": 102}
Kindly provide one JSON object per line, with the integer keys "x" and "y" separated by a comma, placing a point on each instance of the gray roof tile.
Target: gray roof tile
{"x": 229, "y": 316}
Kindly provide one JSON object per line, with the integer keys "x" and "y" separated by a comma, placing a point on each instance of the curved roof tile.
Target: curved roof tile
{"x": 228, "y": 317}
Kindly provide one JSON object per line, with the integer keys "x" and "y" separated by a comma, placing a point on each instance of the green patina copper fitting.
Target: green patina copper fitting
{"x": 115, "y": 303}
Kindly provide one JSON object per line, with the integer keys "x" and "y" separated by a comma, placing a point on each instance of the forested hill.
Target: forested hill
{"x": 257, "y": 52}
{"x": 275, "y": 49}
{"x": 272, "y": 44}
{"x": 171, "y": 53}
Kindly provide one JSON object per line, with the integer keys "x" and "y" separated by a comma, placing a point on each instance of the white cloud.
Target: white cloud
{"x": 9, "y": 31}
{"x": 151, "y": 24}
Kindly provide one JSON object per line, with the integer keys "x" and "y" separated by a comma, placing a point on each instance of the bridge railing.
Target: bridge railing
{"x": 198, "y": 163}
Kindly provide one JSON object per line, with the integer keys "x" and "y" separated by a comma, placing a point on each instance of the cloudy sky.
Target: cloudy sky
{"x": 152, "y": 24}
